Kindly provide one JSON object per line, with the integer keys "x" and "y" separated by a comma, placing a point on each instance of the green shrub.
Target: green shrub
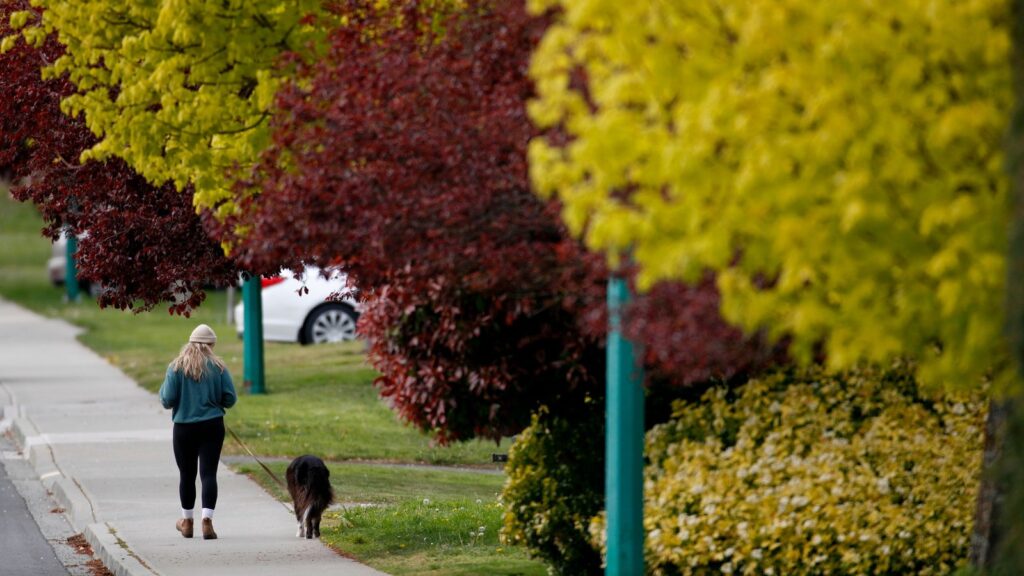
{"x": 813, "y": 474}
{"x": 555, "y": 486}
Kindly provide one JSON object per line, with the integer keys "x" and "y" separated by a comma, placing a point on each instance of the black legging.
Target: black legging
{"x": 200, "y": 441}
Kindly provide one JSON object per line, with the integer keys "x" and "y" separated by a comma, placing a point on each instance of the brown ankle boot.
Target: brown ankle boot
{"x": 208, "y": 533}
{"x": 184, "y": 526}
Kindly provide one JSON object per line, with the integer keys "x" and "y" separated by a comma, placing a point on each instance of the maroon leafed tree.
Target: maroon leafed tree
{"x": 401, "y": 156}
{"x": 143, "y": 244}
{"x": 685, "y": 341}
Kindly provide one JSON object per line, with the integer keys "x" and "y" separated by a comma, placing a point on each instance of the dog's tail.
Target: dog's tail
{"x": 318, "y": 487}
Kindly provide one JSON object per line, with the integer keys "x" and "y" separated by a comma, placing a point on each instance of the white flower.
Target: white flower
{"x": 426, "y": 501}
{"x": 727, "y": 568}
{"x": 883, "y": 485}
{"x": 756, "y": 554}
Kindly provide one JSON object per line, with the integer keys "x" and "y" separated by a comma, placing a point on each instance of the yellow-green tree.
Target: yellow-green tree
{"x": 183, "y": 90}
{"x": 180, "y": 89}
{"x": 840, "y": 164}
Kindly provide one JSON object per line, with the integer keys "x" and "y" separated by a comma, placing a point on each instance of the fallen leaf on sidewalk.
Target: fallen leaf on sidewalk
{"x": 80, "y": 544}
{"x": 97, "y": 568}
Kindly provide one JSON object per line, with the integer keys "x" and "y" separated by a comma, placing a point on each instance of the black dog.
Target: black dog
{"x": 310, "y": 487}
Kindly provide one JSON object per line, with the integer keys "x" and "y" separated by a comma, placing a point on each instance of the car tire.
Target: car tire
{"x": 94, "y": 289}
{"x": 331, "y": 322}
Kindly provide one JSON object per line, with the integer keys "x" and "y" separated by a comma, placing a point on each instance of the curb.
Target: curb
{"x": 36, "y": 450}
{"x": 7, "y": 416}
{"x": 76, "y": 501}
{"x": 77, "y": 506}
{"x": 8, "y": 409}
{"x": 114, "y": 552}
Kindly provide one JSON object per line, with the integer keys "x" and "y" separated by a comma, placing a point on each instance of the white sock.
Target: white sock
{"x": 207, "y": 513}
{"x": 187, "y": 514}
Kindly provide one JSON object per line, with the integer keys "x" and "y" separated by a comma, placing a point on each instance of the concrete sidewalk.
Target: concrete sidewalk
{"x": 102, "y": 445}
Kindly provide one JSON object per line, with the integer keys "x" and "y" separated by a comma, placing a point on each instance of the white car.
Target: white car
{"x": 308, "y": 318}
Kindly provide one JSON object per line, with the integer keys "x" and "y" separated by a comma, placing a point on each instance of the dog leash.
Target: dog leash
{"x": 274, "y": 476}
{"x": 260, "y": 462}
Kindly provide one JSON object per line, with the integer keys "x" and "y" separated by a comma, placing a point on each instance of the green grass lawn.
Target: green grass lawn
{"x": 23, "y": 256}
{"x": 320, "y": 400}
{"x": 431, "y": 537}
{"x": 411, "y": 520}
{"x": 384, "y": 484}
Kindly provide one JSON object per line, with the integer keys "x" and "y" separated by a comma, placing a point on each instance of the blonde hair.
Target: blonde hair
{"x": 193, "y": 359}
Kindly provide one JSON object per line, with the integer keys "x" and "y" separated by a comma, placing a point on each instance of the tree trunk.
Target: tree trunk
{"x": 986, "y": 536}
{"x": 997, "y": 536}
{"x": 997, "y": 529}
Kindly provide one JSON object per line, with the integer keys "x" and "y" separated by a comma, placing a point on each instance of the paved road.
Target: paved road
{"x": 23, "y": 549}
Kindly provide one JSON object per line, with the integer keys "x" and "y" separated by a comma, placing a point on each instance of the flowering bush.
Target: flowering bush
{"x": 555, "y": 486}
{"x": 811, "y": 473}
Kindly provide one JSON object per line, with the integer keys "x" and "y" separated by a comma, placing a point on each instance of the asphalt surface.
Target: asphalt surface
{"x": 24, "y": 551}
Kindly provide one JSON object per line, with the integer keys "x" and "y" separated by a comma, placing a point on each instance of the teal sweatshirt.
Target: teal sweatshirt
{"x": 197, "y": 400}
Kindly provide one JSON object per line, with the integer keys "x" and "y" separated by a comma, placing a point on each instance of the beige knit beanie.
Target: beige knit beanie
{"x": 203, "y": 334}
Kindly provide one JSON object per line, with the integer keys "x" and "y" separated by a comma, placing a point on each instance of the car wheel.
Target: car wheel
{"x": 331, "y": 322}
{"x": 95, "y": 289}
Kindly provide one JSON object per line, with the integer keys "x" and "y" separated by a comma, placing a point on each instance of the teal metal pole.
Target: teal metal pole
{"x": 252, "y": 336}
{"x": 624, "y": 449}
{"x": 70, "y": 268}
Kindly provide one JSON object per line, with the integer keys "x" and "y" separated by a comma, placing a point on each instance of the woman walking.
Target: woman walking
{"x": 197, "y": 389}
